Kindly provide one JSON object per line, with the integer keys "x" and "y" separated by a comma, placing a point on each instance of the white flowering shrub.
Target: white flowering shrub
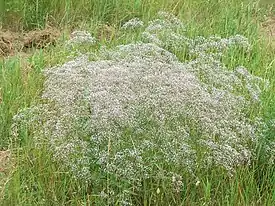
{"x": 138, "y": 111}
{"x": 133, "y": 24}
{"x": 166, "y": 31}
{"x": 80, "y": 37}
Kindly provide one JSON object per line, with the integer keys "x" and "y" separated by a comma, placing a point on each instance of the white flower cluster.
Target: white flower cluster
{"x": 167, "y": 31}
{"x": 214, "y": 73}
{"x": 164, "y": 21}
{"x": 132, "y": 24}
{"x": 81, "y": 37}
{"x": 215, "y": 45}
{"x": 139, "y": 109}
{"x": 164, "y": 32}
{"x": 156, "y": 97}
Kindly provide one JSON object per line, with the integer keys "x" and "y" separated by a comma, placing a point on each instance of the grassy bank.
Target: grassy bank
{"x": 28, "y": 14}
{"x": 32, "y": 177}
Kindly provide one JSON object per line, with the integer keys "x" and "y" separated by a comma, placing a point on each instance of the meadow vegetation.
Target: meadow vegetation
{"x": 148, "y": 102}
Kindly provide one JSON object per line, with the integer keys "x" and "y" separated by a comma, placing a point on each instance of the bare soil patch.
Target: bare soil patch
{"x": 8, "y": 40}
{"x": 41, "y": 38}
{"x": 12, "y": 42}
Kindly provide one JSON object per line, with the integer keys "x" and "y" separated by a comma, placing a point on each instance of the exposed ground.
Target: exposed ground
{"x": 13, "y": 42}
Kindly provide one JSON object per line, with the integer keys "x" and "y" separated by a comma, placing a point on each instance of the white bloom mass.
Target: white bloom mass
{"x": 139, "y": 106}
{"x": 81, "y": 37}
{"x": 133, "y": 24}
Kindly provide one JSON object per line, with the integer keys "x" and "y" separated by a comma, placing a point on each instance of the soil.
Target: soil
{"x": 41, "y": 38}
{"x": 12, "y": 42}
{"x": 7, "y": 41}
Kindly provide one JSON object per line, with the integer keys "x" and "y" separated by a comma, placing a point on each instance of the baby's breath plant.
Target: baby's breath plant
{"x": 132, "y": 24}
{"x": 81, "y": 37}
{"x": 138, "y": 112}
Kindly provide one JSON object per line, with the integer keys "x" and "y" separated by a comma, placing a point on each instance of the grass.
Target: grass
{"x": 36, "y": 180}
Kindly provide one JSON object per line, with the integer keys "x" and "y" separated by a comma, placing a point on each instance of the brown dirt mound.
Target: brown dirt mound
{"x": 11, "y": 42}
{"x": 7, "y": 40}
{"x": 41, "y": 38}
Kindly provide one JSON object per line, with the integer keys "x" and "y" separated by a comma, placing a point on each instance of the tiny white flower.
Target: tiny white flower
{"x": 197, "y": 183}
{"x": 158, "y": 191}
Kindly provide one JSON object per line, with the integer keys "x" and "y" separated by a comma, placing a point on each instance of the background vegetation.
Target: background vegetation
{"x": 32, "y": 178}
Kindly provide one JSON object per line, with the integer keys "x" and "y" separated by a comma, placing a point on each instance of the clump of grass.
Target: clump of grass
{"x": 20, "y": 84}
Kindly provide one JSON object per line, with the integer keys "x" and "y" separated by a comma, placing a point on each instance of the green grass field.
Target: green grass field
{"x": 31, "y": 176}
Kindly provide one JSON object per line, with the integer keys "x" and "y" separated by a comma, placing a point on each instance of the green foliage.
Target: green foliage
{"x": 20, "y": 83}
{"x": 37, "y": 180}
